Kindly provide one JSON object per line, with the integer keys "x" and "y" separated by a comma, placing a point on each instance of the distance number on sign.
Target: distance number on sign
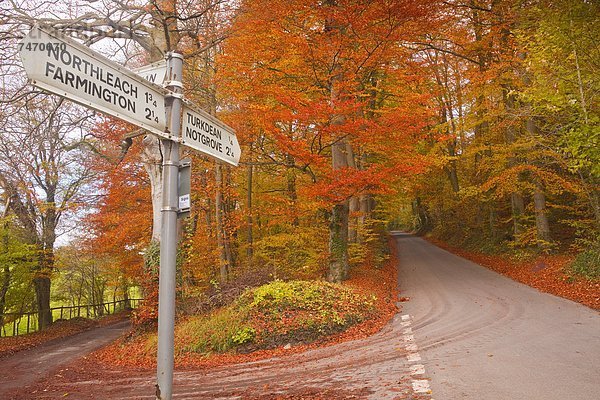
{"x": 150, "y": 114}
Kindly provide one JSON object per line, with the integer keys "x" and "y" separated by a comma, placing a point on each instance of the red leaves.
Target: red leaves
{"x": 122, "y": 224}
{"x": 344, "y": 183}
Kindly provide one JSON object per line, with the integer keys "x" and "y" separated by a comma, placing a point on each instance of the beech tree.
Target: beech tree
{"x": 513, "y": 89}
{"x": 326, "y": 74}
{"x": 43, "y": 175}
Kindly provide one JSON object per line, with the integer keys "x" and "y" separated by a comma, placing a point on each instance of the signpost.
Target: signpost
{"x": 62, "y": 66}
{"x": 67, "y": 68}
{"x": 168, "y": 235}
{"x": 203, "y": 132}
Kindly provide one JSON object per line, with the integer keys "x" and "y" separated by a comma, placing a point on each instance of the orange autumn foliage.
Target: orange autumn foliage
{"x": 121, "y": 227}
{"x": 277, "y": 76}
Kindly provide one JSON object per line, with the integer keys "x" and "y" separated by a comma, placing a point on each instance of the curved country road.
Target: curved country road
{"x": 465, "y": 333}
{"x": 483, "y": 336}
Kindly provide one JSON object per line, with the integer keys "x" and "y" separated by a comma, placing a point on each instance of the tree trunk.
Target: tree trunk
{"x": 482, "y": 54}
{"x": 354, "y": 223}
{"x": 92, "y": 293}
{"x": 453, "y": 176}
{"x": 249, "y": 219}
{"x": 125, "y": 290}
{"x": 594, "y": 197}
{"x": 152, "y": 160}
{"x": 6, "y": 275}
{"x": 580, "y": 86}
{"x": 208, "y": 214}
{"x": 228, "y": 207}
{"x": 510, "y": 136}
{"x": 354, "y": 205}
{"x": 541, "y": 218}
{"x": 423, "y": 220}
{"x": 518, "y": 211}
{"x": 539, "y": 197}
{"x": 223, "y": 267}
{"x": 46, "y": 260}
{"x": 338, "y": 227}
{"x": 451, "y": 168}
{"x": 3, "y": 292}
{"x": 492, "y": 221}
{"x": 366, "y": 205}
{"x": 338, "y": 243}
{"x": 41, "y": 283}
{"x": 446, "y": 119}
{"x": 291, "y": 188}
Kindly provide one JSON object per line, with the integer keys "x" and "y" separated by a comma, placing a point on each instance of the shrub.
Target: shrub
{"x": 587, "y": 263}
{"x": 275, "y": 314}
{"x": 216, "y": 332}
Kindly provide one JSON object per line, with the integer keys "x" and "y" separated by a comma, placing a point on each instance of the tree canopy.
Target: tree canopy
{"x": 476, "y": 121}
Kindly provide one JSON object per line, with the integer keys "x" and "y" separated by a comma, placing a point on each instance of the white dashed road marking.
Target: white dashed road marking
{"x": 419, "y": 385}
{"x": 412, "y": 347}
{"x": 417, "y": 369}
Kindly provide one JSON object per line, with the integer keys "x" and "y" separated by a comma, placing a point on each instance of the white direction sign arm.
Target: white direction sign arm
{"x": 205, "y": 133}
{"x": 62, "y": 66}
{"x": 154, "y": 72}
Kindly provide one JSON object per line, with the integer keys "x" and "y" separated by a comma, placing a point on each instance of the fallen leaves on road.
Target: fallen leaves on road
{"x": 307, "y": 394}
{"x": 545, "y": 273}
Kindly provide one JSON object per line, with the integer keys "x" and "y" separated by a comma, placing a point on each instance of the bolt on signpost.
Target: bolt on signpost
{"x": 62, "y": 66}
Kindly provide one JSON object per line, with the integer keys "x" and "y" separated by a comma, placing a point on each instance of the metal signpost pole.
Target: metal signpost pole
{"x": 168, "y": 233}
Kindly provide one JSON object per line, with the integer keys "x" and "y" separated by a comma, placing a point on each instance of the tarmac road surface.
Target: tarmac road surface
{"x": 483, "y": 336}
{"x": 28, "y": 366}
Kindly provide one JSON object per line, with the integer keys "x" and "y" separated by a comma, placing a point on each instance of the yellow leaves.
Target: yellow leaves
{"x": 470, "y": 191}
{"x": 521, "y": 177}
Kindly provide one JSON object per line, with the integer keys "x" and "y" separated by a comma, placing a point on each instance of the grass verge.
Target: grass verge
{"x": 587, "y": 264}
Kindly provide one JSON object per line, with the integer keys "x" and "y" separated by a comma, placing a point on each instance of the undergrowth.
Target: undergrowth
{"x": 273, "y": 315}
{"x": 587, "y": 263}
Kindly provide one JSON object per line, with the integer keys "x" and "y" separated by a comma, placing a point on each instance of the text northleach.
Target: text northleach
{"x": 90, "y": 87}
